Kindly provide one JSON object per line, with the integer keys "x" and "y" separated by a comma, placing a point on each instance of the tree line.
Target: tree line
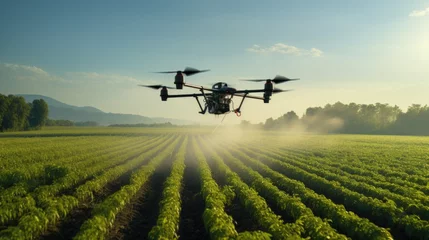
{"x": 17, "y": 115}
{"x": 68, "y": 123}
{"x": 355, "y": 119}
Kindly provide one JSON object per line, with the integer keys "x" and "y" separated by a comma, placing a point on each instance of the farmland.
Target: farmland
{"x": 116, "y": 183}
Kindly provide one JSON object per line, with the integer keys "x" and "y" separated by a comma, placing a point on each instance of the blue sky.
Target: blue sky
{"x": 96, "y": 52}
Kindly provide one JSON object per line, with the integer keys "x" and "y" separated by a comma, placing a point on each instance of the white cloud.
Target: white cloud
{"x": 286, "y": 49}
{"x": 25, "y": 73}
{"x": 316, "y": 52}
{"x": 419, "y": 13}
{"x": 32, "y": 69}
{"x": 100, "y": 78}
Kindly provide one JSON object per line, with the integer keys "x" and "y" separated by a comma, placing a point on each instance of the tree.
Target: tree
{"x": 4, "y": 104}
{"x": 245, "y": 123}
{"x": 38, "y": 114}
{"x": 87, "y": 124}
{"x": 64, "y": 123}
{"x": 290, "y": 117}
{"x": 413, "y": 122}
{"x": 287, "y": 121}
{"x": 269, "y": 123}
{"x": 313, "y": 111}
{"x": 16, "y": 116}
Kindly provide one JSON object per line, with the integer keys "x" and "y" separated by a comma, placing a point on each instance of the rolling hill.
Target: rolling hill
{"x": 60, "y": 110}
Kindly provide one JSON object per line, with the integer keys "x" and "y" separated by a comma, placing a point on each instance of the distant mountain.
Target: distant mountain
{"x": 59, "y": 110}
{"x": 54, "y": 103}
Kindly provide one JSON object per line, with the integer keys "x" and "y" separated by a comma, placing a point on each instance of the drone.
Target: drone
{"x": 218, "y": 98}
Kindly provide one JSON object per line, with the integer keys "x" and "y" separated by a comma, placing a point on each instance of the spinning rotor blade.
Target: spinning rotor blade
{"x": 277, "y": 90}
{"x": 158, "y": 86}
{"x": 278, "y": 79}
{"x": 254, "y": 80}
{"x": 168, "y": 72}
{"x": 188, "y": 71}
{"x": 281, "y": 79}
{"x": 191, "y": 71}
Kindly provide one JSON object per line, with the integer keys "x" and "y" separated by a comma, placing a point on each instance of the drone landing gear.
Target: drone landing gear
{"x": 237, "y": 110}
{"x": 203, "y": 110}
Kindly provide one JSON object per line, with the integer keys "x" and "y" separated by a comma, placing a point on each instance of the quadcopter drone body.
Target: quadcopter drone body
{"x": 218, "y": 99}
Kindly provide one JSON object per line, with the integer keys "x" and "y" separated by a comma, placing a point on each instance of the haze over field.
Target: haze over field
{"x": 95, "y": 54}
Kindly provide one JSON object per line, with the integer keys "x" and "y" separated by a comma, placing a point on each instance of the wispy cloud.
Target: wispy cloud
{"x": 100, "y": 78}
{"x": 420, "y": 13}
{"x": 286, "y": 49}
{"x": 19, "y": 72}
{"x": 26, "y": 73}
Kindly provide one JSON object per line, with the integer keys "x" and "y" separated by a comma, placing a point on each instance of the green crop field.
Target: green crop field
{"x": 148, "y": 183}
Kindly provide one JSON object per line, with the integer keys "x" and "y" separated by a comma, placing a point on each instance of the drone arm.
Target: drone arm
{"x": 250, "y": 91}
{"x": 186, "y": 95}
{"x": 248, "y": 96}
{"x": 197, "y": 87}
{"x": 195, "y": 95}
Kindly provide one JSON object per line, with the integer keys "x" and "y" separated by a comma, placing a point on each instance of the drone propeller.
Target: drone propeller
{"x": 277, "y": 90}
{"x": 156, "y": 86}
{"x": 188, "y": 71}
{"x": 278, "y": 79}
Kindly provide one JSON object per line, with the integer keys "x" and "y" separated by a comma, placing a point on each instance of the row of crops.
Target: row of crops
{"x": 171, "y": 185}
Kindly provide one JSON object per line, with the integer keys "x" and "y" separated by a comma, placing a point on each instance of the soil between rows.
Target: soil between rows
{"x": 242, "y": 219}
{"x": 138, "y": 218}
{"x": 191, "y": 224}
{"x": 70, "y": 226}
